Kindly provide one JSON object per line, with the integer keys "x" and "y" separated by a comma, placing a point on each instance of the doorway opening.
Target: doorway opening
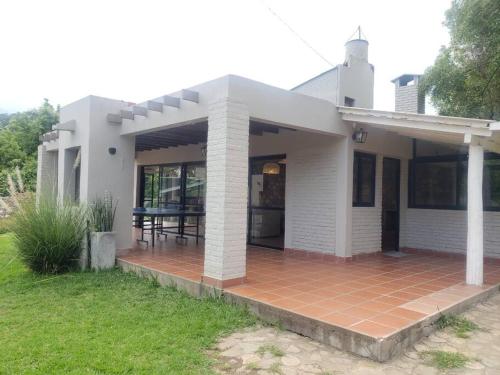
{"x": 390, "y": 204}
{"x": 266, "y": 208}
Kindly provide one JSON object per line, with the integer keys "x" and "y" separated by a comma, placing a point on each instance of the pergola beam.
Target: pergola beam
{"x": 190, "y": 95}
{"x": 67, "y": 126}
{"x": 114, "y": 119}
{"x": 140, "y": 111}
{"x": 129, "y": 115}
{"x": 155, "y": 106}
{"x": 171, "y": 101}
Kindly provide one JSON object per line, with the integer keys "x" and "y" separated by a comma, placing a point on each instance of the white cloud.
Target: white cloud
{"x": 136, "y": 50}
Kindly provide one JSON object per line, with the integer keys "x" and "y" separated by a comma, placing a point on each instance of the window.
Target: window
{"x": 363, "y": 190}
{"x": 440, "y": 182}
{"x": 174, "y": 186}
{"x": 348, "y": 102}
{"x": 491, "y": 184}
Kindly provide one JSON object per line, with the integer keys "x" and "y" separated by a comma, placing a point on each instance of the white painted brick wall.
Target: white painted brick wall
{"x": 227, "y": 190}
{"x": 310, "y": 199}
{"x": 444, "y": 230}
{"x": 367, "y": 221}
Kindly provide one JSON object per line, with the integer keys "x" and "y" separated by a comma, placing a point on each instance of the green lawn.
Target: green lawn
{"x": 103, "y": 323}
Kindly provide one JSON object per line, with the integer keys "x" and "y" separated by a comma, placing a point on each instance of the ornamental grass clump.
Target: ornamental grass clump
{"x": 102, "y": 213}
{"x": 49, "y": 235}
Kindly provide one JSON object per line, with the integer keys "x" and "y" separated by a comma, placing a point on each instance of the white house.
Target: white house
{"x": 311, "y": 169}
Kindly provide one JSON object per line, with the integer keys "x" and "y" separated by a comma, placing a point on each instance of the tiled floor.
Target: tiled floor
{"x": 375, "y": 295}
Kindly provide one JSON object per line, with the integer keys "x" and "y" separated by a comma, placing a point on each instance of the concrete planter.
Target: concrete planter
{"x": 102, "y": 250}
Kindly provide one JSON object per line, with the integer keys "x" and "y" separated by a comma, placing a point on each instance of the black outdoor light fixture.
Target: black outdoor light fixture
{"x": 112, "y": 150}
{"x": 359, "y": 135}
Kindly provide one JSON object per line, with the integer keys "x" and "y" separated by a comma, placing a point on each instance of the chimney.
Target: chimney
{"x": 408, "y": 98}
{"x": 356, "y": 50}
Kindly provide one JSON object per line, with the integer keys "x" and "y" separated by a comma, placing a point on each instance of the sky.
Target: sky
{"x": 137, "y": 50}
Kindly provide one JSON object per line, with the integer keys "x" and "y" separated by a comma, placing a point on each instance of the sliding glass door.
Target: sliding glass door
{"x": 267, "y": 201}
{"x": 181, "y": 186}
{"x": 170, "y": 190}
{"x": 149, "y": 193}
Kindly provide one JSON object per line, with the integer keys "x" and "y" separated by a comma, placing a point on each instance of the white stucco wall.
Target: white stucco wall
{"x": 323, "y": 86}
{"x": 99, "y": 170}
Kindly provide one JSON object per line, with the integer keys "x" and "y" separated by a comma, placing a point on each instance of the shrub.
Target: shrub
{"x": 48, "y": 235}
{"x": 102, "y": 213}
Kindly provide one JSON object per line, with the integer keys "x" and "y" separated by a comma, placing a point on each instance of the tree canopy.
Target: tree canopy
{"x": 19, "y": 139}
{"x": 465, "y": 78}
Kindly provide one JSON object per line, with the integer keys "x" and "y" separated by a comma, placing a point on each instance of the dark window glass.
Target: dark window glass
{"x": 348, "y": 102}
{"x": 439, "y": 183}
{"x": 491, "y": 184}
{"x": 363, "y": 190}
{"x": 436, "y": 184}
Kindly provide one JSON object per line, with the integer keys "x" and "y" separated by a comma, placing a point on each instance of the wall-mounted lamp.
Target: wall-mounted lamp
{"x": 271, "y": 168}
{"x": 112, "y": 150}
{"x": 204, "y": 150}
{"x": 360, "y": 135}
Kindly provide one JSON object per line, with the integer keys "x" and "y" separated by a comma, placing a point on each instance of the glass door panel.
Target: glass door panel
{"x": 267, "y": 202}
{"x": 194, "y": 198}
{"x": 170, "y": 187}
{"x": 150, "y": 188}
{"x": 196, "y": 179}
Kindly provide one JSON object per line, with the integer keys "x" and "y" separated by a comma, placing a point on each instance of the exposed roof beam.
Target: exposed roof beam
{"x": 144, "y": 138}
{"x": 155, "y": 106}
{"x": 416, "y": 117}
{"x": 67, "y": 126}
{"x": 410, "y": 124}
{"x": 171, "y": 101}
{"x": 114, "y": 119}
{"x": 129, "y": 115}
{"x": 191, "y": 96}
{"x": 141, "y": 111}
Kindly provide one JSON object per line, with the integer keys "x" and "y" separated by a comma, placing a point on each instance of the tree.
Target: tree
{"x": 465, "y": 78}
{"x": 19, "y": 139}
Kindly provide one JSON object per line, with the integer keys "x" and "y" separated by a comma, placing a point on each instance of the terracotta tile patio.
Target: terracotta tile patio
{"x": 376, "y": 295}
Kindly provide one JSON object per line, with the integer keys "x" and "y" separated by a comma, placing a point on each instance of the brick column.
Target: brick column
{"x": 227, "y": 192}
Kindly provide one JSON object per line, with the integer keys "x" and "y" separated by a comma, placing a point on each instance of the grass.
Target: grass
{"x": 275, "y": 368}
{"x": 459, "y": 324}
{"x": 252, "y": 366}
{"x": 445, "y": 360}
{"x": 104, "y": 323}
{"x": 271, "y": 349}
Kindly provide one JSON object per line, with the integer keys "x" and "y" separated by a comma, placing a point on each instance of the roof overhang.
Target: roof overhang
{"x": 455, "y": 130}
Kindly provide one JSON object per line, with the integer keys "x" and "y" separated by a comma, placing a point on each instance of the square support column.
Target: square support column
{"x": 343, "y": 198}
{"x": 474, "y": 272}
{"x": 227, "y": 193}
{"x": 46, "y": 176}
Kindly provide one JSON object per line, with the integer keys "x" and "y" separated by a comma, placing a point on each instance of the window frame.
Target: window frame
{"x": 356, "y": 201}
{"x": 459, "y": 159}
{"x": 183, "y": 166}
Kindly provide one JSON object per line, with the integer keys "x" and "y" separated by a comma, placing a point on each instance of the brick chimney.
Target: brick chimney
{"x": 408, "y": 99}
